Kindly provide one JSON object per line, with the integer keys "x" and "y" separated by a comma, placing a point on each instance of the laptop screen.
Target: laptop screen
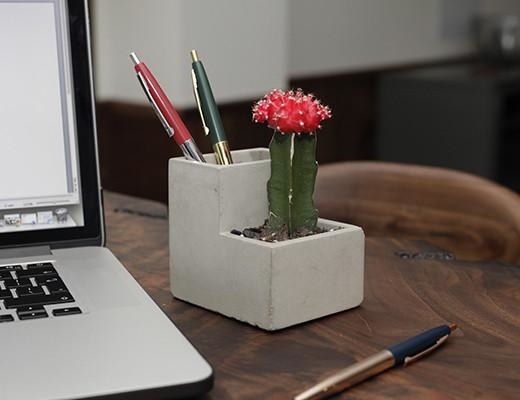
{"x": 42, "y": 127}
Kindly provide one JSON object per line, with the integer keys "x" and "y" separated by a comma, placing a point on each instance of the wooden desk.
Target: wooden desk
{"x": 402, "y": 297}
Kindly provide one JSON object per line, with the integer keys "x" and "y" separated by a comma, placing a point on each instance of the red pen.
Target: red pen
{"x": 169, "y": 118}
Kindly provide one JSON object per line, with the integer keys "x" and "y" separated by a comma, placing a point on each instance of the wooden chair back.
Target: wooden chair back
{"x": 470, "y": 216}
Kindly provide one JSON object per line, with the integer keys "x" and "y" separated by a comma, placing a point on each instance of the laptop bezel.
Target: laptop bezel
{"x": 92, "y": 232}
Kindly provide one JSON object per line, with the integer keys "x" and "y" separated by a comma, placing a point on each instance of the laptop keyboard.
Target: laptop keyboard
{"x": 25, "y": 290}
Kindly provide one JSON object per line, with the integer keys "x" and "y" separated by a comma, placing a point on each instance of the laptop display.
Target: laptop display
{"x": 66, "y": 302}
{"x": 46, "y": 112}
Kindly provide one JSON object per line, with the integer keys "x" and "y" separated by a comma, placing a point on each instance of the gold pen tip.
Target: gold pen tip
{"x": 453, "y": 327}
{"x": 194, "y": 55}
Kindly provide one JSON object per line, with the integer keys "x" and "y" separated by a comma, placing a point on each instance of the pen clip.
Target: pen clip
{"x": 197, "y": 99}
{"x": 169, "y": 130}
{"x": 409, "y": 360}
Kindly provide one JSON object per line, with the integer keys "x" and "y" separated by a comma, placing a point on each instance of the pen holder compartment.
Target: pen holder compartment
{"x": 269, "y": 285}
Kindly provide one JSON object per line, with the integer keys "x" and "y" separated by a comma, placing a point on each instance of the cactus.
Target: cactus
{"x": 295, "y": 117}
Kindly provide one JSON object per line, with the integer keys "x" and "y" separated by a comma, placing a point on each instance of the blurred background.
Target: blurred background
{"x": 433, "y": 82}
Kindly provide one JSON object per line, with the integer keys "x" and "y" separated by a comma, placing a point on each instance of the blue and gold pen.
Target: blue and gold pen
{"x": 402, "y": 353}
{"x": 209, "y": 111}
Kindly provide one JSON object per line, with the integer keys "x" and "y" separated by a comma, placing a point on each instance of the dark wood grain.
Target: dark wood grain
{"x": 402, "y": 297}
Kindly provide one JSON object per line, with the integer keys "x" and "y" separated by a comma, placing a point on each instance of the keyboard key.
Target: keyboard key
{"x": 6, "y": 318}
{"x": 66, "y": 311}
{"x": 5, "y": 275}
{"x": 28, "y": 309}
{"x": 10, "y": 267}
{"x": 5, "y": 294}
{"x": 56, "y": 287}
{"x": 39, "y": 265}
{"x": 39, "y": 300}
{"x": 44, "y": 280}
{"x": 49, "y": 270}
{"x": 13, "y": 283}
{"x": 29, "y": 291}
{"x": 31, "y": 312}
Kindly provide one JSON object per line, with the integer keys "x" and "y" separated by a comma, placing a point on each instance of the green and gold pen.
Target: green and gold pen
{"x": 209, "y": 111}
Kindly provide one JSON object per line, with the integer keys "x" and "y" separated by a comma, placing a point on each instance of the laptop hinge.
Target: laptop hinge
{"x": 18, "y": 252}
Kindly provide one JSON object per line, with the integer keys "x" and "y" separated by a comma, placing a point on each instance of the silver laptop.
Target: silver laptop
{"x": 73, "y": 323}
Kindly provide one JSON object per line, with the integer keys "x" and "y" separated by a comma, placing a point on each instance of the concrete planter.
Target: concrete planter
{"x": 270, "y": 285}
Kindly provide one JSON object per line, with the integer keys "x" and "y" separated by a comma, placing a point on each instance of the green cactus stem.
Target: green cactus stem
{"x": 291, "y": 185}
{"x": 279, "y": 184}
{"x": 304, "y": 170}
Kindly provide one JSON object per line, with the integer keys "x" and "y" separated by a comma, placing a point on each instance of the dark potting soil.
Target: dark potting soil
{"x": 265, "y": 234}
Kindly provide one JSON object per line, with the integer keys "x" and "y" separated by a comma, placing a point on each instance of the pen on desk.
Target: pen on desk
{"x": 209, "y": 111}
{"x": 402, "y": 353}
{"x": 162, "y": 106}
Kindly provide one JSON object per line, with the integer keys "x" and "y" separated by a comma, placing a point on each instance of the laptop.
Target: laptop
{"x": 74, "y": 324}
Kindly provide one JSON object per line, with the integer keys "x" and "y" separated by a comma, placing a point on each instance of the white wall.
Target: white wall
{"x": 500, "y": 6}
{"x": 331, "y": 36}
{"x": 354, "y": 34}
{"x": 243, "y": 45}
{"x": 154, "y": 32}
{"x": 251, "y": 46}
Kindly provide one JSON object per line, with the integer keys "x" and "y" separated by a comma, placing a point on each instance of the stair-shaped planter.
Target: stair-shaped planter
{"x": 270, "y": 285}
